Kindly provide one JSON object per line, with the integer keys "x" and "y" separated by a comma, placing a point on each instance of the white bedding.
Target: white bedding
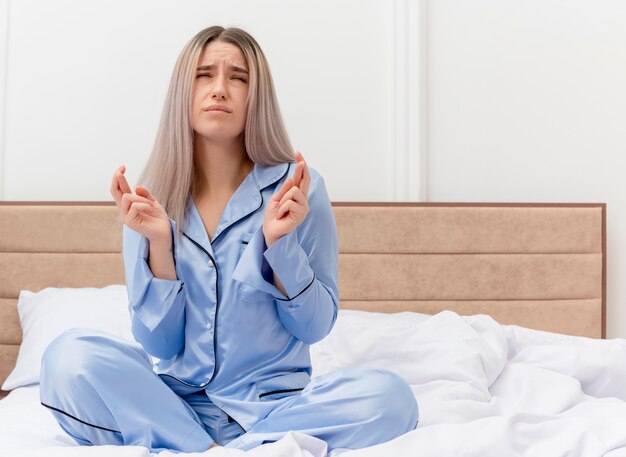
{"x": 483, "y": 389}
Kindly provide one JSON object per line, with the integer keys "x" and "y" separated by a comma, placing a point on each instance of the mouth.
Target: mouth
{"x": 217, "y": 108}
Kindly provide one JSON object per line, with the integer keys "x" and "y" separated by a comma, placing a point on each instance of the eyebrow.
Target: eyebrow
{"x": 232, "y": 67}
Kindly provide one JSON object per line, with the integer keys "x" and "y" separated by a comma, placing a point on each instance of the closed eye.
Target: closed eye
{"x": 210, "y": 76}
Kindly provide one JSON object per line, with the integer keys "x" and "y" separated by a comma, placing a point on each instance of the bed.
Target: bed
{"x": 495, "y": 314}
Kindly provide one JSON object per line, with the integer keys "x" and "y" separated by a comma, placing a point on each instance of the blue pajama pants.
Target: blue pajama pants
{"x": 106, "y": 392}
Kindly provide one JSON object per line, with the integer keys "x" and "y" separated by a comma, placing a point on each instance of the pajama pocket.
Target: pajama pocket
{"x": 282, "y": 386}
{"x": 246, "y": 292}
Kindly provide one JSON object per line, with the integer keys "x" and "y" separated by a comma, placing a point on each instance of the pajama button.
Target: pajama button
{"x": 208, "y": 325}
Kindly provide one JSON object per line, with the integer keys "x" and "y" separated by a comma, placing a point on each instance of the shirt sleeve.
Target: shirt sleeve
{"x": 157, "y": 306}
{"x": 306, "y": 263}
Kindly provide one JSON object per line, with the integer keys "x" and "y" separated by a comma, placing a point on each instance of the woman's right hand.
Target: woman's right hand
{"x": 140, "y": 211}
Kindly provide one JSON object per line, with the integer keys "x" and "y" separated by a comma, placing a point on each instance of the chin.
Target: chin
{"x": 217, "y": 135}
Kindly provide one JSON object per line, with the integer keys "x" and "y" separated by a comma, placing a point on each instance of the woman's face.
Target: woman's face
{"x": 221, "y": 81}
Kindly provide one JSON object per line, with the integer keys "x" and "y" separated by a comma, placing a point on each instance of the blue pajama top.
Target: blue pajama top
{"x": 223, "y": 326}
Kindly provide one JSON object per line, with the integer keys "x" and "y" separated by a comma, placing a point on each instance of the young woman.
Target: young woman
{"x": 231, "y": 269}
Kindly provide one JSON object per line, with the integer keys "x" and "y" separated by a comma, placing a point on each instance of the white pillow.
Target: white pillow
{"x": 46, "y": 314}
{"x": 467, "y": 351}
{"x": 356, "y": 338}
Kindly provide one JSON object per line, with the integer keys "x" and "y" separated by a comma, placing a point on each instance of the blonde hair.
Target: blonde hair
{"x": 169, "y": 172}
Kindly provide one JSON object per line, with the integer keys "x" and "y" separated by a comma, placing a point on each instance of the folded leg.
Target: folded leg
{"x": 102, "y": 390}
{"x": 351, "y": 408}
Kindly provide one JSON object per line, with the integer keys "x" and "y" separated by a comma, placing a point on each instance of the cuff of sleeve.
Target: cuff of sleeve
{"x": 158, "y": 295}
{"x": 290, "y": 263}
{"x": 158, "y": 299}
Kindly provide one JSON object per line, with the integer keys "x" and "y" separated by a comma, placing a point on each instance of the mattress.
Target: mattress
{"x": 483, "y": 389}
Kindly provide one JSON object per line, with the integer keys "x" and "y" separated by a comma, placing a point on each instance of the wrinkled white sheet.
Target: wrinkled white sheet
{"x": 483, "y": 389}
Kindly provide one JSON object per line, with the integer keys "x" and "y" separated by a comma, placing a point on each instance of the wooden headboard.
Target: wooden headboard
{"x": 537, "y": 265}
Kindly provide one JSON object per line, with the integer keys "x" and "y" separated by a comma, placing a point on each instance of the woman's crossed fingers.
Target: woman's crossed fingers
{"x": 302, "y": 176}
{"x": 140, "y": 211}
{"x": 123, "y": 194}
{"x": 119, "y": 185}
{"x": 296, "y": 187}
{"x": 288, "y": 207}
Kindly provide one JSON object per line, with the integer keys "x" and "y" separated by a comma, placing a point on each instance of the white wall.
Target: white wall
{"x": 523, "y": 101}
{"x": 86, "y": 82}
{"x": 527, "y": 103}
{"x": 4, "y": 34}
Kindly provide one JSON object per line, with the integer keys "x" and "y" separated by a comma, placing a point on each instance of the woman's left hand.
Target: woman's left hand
{"x": 288, "y": 207}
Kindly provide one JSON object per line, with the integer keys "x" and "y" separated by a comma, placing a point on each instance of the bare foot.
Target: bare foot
{"x": 213, "y": 445}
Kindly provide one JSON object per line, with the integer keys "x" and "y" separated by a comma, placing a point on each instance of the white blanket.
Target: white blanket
{"x": 483, "y": 389}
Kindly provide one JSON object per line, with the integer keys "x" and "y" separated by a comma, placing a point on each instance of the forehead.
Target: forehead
{"x": 219, "y": 52}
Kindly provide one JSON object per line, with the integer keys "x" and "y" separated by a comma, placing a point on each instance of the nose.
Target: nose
{"x": 218, "y": 91}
